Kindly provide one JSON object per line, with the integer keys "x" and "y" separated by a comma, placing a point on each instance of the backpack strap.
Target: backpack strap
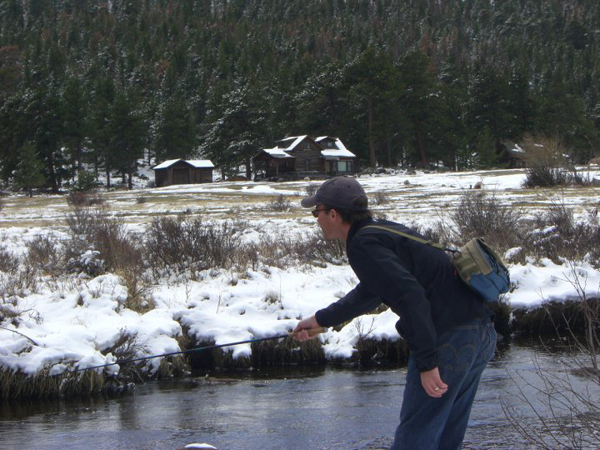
{"x": 414, "y": 238}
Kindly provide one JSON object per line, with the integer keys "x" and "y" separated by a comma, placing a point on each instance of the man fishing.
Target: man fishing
{"x": 448, "y": 328}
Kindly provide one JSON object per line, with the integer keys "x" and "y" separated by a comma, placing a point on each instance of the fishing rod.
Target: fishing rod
{"x": 312, "y": 332}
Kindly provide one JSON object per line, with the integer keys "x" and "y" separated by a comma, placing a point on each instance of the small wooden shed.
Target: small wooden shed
{"x": 180, "y": 171}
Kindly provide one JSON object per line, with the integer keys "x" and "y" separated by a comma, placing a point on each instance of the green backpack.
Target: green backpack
{"x": 476, "y": 263}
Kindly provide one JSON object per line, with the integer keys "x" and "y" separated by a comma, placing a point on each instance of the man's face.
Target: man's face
{"x": 326, "y": 221}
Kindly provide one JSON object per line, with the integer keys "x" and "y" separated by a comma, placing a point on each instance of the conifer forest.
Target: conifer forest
{"x": 97, "y": 86}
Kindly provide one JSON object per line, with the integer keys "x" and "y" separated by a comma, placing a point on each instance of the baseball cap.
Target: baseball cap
{"x": 339, "y": 192}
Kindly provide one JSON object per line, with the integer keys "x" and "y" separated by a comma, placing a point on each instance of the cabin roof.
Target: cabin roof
{"x": 197, "y": 163}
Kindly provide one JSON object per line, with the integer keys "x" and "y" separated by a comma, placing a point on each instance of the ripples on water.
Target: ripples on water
{"x": 308, "y": 408}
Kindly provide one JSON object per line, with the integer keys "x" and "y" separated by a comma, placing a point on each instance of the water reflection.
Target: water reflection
{"x": 316, "y": 408}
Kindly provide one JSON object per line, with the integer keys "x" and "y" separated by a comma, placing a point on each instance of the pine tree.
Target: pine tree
{"x": 45, "y": 111}
{"x": 75, "y": 111}
{"x": 28, "y": 174}
{"x": 420, "y": 102}
{"x": 103, "y": 97}
{"x": 175, "y": 130}
{"x": 485, "y": 147}
{"x": 127, "y": 136}
{"x": 238, "y": 133}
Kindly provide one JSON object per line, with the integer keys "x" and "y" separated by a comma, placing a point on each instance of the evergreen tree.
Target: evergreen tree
{"x": 127, "y": 136}
{"x": 75, "y": 111}
{"x": 485, "y": 147}
{"x": 175, "y": 130}
{"x": 29, "y": 174}
{"x": 103, "y": 97}
{"x": 489, "y": 93}
{"x": 421, "y": 103}
{"x": 237, "y": 135}
{"x": 374, "y": 87}
{"x": 45, "y": 113}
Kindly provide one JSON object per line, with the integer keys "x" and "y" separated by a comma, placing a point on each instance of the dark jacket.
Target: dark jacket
{"x": 415, "y": 280}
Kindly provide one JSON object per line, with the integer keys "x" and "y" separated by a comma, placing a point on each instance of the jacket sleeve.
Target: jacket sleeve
{"x": 381, "y": 271}
{"x": 355, "y": 303}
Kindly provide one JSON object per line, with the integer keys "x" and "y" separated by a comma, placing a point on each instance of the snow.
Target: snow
{"x": 75, "y": 320}
{"x": 198, "y": 163}
{"x": 338, "y": 153}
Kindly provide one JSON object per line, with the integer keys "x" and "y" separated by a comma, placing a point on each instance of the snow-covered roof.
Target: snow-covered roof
{"x": 297, "y": 140}
{"x": 200, "y": 163}
{"x": 338, "y": 142}
{"x": 165, "y": 164}
{"x": 332, "y": 154}
{"x": 197, "y": 163}
{"x": 277, "y": 152}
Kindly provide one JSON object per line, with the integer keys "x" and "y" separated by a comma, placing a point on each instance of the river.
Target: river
{"x": 298, "y": 408}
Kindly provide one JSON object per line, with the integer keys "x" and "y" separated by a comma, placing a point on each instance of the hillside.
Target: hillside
{"x": 410, "y": 82}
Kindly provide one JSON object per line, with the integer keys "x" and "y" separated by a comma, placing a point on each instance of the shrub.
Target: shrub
{"x": 381, "y": 198}
{"x": 187, "y": 243}
{"x": 280, "y": 204}
{"x": 546, "y": 162}
{"x": 9, "y": 263}
{"x": 44, "y": 254}
{"x": 556, "y": 234}
{"x": 481, "y": 215}
{"x": 94, "y": 229}
{"x": 83, "y": 199}
{"x": 311, "y": 189}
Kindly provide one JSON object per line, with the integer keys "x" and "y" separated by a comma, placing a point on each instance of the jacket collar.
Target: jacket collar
{"x": 355, "y": 227}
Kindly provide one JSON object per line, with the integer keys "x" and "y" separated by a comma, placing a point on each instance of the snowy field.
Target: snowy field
{"x": 73, "y": 322}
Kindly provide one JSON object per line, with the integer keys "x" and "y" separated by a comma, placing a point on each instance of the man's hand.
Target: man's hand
{"x": 300, "y": 333}
{"x": 433, "y": 384}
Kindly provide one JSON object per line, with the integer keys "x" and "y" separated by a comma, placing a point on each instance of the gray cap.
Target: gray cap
{"x": 340, "y": 192}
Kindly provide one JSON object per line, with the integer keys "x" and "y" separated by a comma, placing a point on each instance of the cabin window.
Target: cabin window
{"x": 344, "y": 166}
{"x": 308, "y": 165}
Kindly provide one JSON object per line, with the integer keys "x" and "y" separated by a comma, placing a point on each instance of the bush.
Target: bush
{"x": 556, "y": 234}
{"x": 186, "y": 243}
{"x": 83, "y": 199}
{"x": 381, "y": 198}
{"x": 9, "y": 263}
{"x": 280, "y": 204}
{"x": 43, "y": 253}
{"x": 481, "y": 215}
{"x": 311, "y": 189}
{"x": 94, "y": 229}
{"x": 546, "y": 162}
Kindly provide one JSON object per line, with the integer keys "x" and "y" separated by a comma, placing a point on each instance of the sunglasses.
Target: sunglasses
{"x": 315, "y": 212}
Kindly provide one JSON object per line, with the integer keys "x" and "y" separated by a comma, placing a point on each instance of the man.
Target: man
{"x": 448, "y": 328}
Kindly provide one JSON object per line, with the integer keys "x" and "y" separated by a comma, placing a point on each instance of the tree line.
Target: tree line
{"x": 100, "y": 85}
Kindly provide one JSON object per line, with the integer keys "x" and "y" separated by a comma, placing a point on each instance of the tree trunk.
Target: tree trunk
{"x": 421, "y": 148}
{"x": 107, "y": 178}
{"x": 389, "y": 152}
{"x": 372, "y": 160}
{"x": 52, "y": 173}
{"x": 248, "y": 168}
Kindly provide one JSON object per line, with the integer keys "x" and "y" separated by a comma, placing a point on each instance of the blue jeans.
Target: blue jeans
{"x": 441, "y": 423}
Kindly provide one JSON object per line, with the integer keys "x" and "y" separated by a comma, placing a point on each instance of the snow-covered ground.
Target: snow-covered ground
{"x": 73, "y": 322}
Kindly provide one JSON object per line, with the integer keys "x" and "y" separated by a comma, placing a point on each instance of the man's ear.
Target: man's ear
{"x": 335, "y": 216}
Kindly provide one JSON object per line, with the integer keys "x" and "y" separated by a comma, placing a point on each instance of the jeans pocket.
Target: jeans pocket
{"x": 457, "y": 358}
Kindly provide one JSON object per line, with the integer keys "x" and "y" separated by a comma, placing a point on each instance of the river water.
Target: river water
{"x": 301, "y": 408}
